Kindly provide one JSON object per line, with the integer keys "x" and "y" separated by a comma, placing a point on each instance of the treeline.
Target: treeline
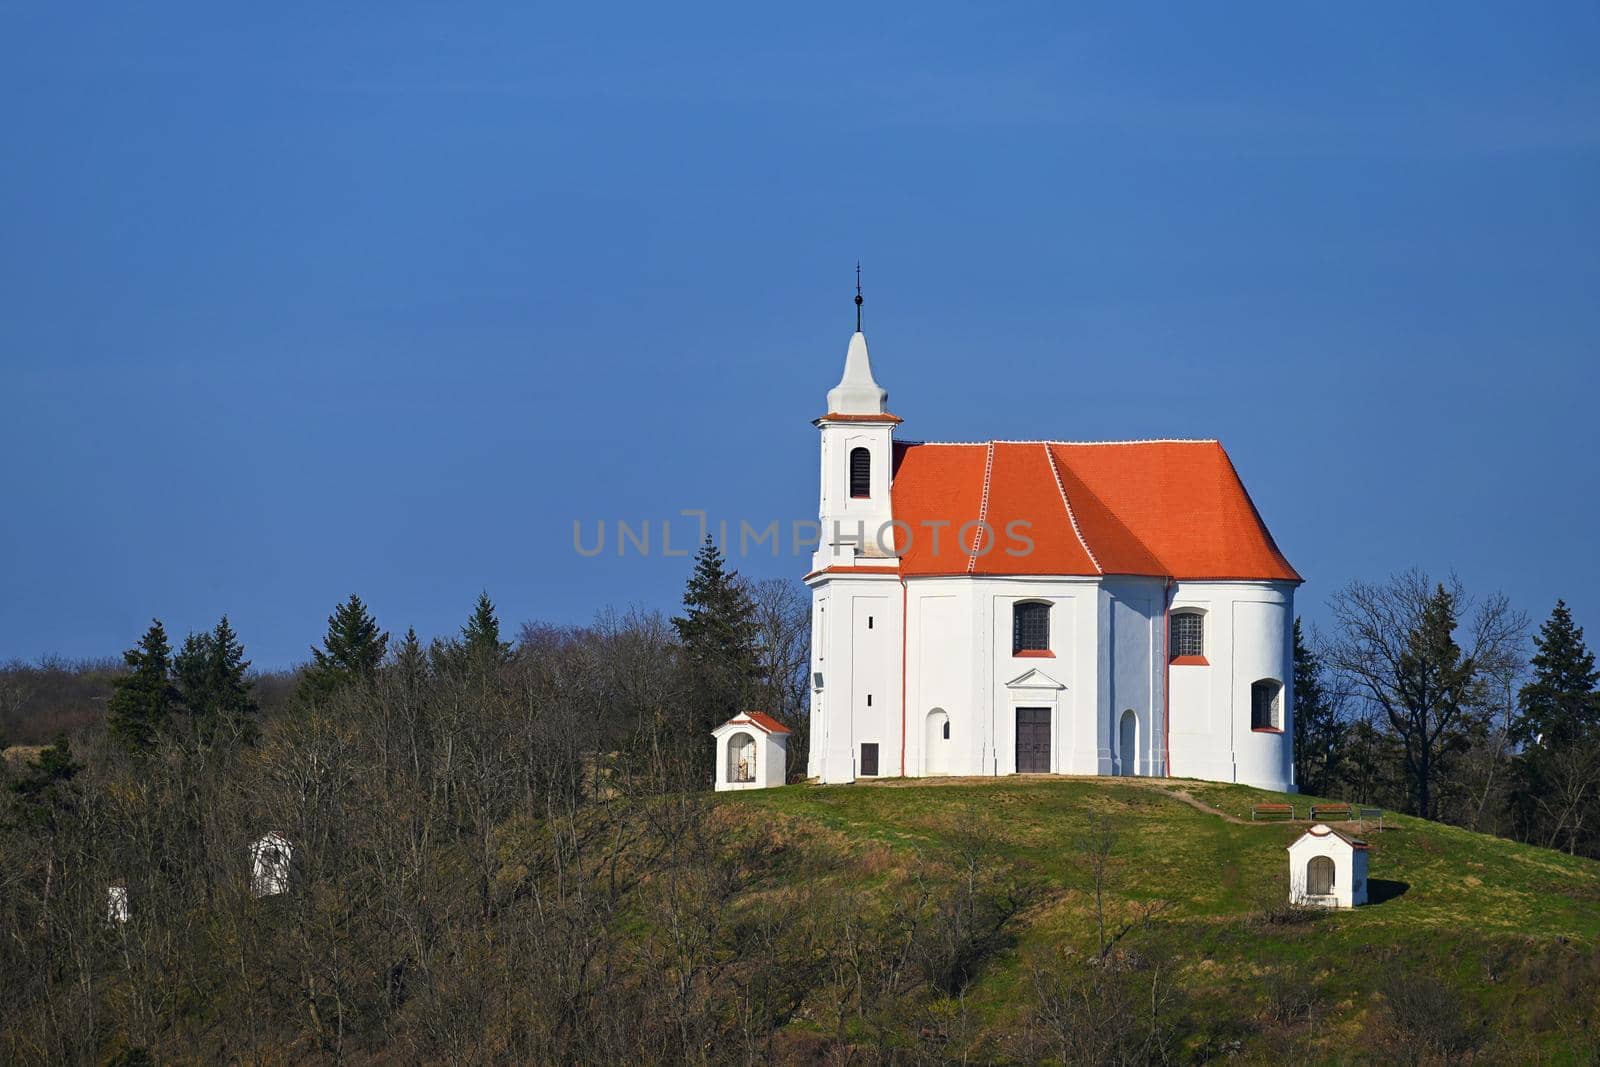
{"x": 500, "y": 849}
{"x": 1423, "y": 699}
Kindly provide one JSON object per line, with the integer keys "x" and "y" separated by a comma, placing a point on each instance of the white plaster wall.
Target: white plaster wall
{"x": 874, "y": 658}
{"x": 1135, "y": 609}
{"x": 1248, "y": 636}
{"x": 771, "y": 757}
{"x": 959, "y": 658}
{"x": 1349, "y": 869}
{"x": 859, "y": 519}
{"x": 939, "y": 619}
{"x": 1108, "y": 654}
{"x": 855, "y": 661}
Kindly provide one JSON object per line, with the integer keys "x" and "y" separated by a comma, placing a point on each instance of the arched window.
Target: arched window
{"x": 1188, "y": 637}
{"x": 860, "y": 472}
{"x": 1266, "y": 704}
{"x": 1128, "y": 743}
{"x": 1319, "y": 876}
{"x": 1030, "y": 627}
{"x": 741, "y": 758}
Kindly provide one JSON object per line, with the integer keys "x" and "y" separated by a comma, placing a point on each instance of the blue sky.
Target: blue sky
{"x": 302, "y": 300}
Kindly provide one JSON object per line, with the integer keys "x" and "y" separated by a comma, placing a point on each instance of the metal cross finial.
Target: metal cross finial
{"x": 859, "y": 300}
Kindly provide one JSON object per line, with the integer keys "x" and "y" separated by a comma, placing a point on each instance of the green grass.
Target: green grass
{"x": 1501, "y": 924}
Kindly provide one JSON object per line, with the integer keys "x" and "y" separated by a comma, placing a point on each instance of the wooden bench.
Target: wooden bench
{"x": 1371, "y": 815}
{"x": 1271, "y": 811}
{"x": 1338, "y": 811}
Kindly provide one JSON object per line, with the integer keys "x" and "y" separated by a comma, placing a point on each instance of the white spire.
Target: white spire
{"x": 857, "y": 392}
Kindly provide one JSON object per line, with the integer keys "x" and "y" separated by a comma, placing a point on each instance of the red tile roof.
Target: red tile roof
{"x": 1164, "y": 508}
{"x": 763, "y": 720}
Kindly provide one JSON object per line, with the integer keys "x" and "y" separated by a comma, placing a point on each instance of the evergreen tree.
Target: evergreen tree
{"x": 142, "y": 701}
{"x": 1561, "y": 703}
{"x": 212, "y": 687}
{"x": 480, "y": 637}
{"x": 718, "y": 634}
{"x": 1437, "y": 691}
{"x": 410, "y": 665}
{"x": 352, "y": 651}
{"x": 1319, "y": 732}
{"x": 1556, "y": 795}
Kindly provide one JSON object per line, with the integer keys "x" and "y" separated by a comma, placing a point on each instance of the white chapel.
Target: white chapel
{"x": 1004, "y": 607}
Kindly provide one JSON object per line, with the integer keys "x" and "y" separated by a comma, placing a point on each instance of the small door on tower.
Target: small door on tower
{"x": 1033, "y": 740}
{"x": 869, "y": 758}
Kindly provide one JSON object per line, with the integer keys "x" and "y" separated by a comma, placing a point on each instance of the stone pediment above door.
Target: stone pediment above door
{"x": 1034, "y": 679}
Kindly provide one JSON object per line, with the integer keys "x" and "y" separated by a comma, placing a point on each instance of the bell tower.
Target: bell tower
{"x": 857, "y": 460}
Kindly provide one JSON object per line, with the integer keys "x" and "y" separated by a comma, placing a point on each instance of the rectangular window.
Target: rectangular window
{"x": 1030, "y": 628}
{"x": 869, "y": 758}
{"x": 1188, "y": 634}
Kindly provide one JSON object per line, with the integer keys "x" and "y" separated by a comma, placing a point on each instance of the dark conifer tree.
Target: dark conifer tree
{"x": 1556, "y": 796}
{"x": 480, "y": 637}
{"x": 351, "y": 654}
{"x": 142, "y": 701}
{"x": 1438, "y": 695}
{"x": 410, "y": 667}
{"x": 1561, "y": 703}
{"x": 1319, "y": 732}
{"x": 212, "y": 684}
{"x": 718, "y": 633}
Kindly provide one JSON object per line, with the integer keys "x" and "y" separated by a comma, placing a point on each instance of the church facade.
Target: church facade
{"x": 1009, "y": 607}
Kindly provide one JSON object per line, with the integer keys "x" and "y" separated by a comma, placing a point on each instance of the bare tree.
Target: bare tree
{"x": 783, "y": 633}
{"x": 1427, "y": 658}
{"x": 1572, "y": 794}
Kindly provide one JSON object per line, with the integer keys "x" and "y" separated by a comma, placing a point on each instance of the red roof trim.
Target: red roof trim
{"x": 834, "y": 416}
{"x": 851, "y": 570}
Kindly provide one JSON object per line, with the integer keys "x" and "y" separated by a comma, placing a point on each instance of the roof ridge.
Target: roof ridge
{"x": 1079, "y": 444}
{"x": 983, "y": 509}
{"x": 1055, "y": 473}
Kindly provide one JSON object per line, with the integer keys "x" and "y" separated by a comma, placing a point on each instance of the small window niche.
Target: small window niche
{"x": 1266, "y": 706}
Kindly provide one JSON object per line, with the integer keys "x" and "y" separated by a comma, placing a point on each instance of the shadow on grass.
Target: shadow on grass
{"x": 1380, "y": 890}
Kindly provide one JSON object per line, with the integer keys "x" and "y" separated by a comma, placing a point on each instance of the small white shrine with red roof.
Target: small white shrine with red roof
{"x": 1114, "y": 608}
{"x": 752, "y": 752}
{"x": 1328, "y": 868}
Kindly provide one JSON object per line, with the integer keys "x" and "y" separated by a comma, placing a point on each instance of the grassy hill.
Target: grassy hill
{"x": 1474, "y": 946}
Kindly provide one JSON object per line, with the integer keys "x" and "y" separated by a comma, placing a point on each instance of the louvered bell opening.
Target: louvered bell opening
{"x": 860, "y": 472}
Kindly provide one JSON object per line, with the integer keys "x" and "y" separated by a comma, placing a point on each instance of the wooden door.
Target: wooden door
{"x": 869, "y": 758}
{"x": 1033, "y": 740}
